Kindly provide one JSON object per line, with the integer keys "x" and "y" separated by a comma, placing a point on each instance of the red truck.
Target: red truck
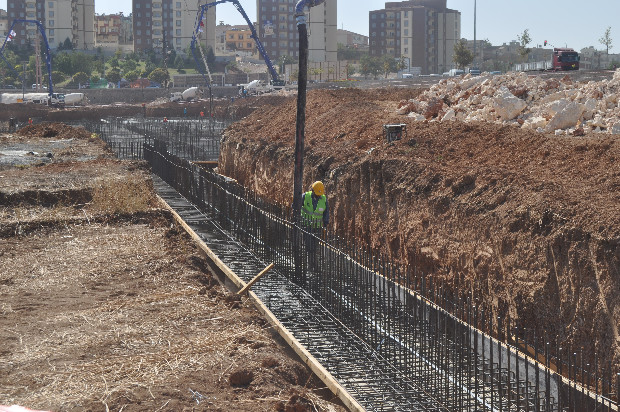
{"x": 565, "y": 59}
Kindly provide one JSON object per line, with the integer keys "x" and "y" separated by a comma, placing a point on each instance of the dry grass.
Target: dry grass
{"x": 122, "y": 194}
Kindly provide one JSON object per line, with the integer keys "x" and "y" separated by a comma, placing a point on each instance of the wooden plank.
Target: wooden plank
{"x": 254, "y": 280}
{"x": 304, "y": 355}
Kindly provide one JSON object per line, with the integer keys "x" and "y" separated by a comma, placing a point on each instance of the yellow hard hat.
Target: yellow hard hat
{"x": 318, "y": 188}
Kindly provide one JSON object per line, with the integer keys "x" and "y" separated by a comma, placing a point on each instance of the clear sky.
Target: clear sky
{"x": 572, "y": 23}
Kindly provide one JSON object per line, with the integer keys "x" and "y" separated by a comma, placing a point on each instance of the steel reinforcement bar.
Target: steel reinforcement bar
{"x": 372, "y": 325}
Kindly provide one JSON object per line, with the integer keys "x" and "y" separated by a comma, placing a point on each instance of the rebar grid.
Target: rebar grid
{"x": 354, "y": 308}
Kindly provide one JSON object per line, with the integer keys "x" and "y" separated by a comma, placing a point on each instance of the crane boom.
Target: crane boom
{"x": 259, "y": 45}
{"x": 48, "y": 57}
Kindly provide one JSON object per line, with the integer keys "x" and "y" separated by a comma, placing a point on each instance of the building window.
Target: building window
{"x": 137, "y": 5}
{"x": 148, "y": 32}
{"x": 138, "y": 23}
{"x": 51, "y": 32}
{"x": 178, "y": 23}
{"x": 406, "y": 23}
{"x": 139, "y": 41}
{"x": 178, "y": 13}
{"x": 178, "y": 32}
{"x": 138, "y": 32}
{"x": 178, "y": 41}
{"x": 178, "y": 4}
{"x": 50, "y": 4}
{"x": 51, "y": 23}
{"x": 148, "y": 5}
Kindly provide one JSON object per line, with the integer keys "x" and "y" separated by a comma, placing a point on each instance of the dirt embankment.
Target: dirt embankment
{"x": 529, "y": 223}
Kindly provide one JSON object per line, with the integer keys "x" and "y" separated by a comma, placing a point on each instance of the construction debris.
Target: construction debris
{"x": 547, "y": 105}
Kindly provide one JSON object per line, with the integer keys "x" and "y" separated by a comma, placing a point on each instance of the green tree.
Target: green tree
{"x": 160, "y": 76}
{"x": 58, "y": 77}
{"x": 370, "y": 66}
{"x": 132, "y": 75}
{"x": 462, "y": 55}
{"x": 210, "y": 56}
{"x": 294, "y": 76}
{"x": 80, "y": 78}
{"x": 524, "y": 40}
{"x": 128, "y": 65}
{"x": 388, "y": 64}
{"x": 114, "y": 75}
{"x": 606, "y": 39}
{"x": 74, "y": 62}
{"x": 283, "y": 61}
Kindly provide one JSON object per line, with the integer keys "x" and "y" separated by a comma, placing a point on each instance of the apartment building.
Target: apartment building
{"x": 353, "y": 40}
{"x": 4, "y": 24}
{"x": 277, "y": 29}
{"x": 239, "y": 39}
{"x": 107, "y": 31}
{"x": 423, "y": 32}
{"x": 170, "y": 23}
{"x": 62, "y": 19}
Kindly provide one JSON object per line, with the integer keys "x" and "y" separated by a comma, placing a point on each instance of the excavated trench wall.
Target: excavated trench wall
{"x": 521, "y": 245}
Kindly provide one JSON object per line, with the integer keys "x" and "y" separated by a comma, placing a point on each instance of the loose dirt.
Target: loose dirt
{"x": 108, "y": 305}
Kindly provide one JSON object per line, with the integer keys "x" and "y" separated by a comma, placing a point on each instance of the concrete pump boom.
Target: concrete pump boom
{"x": 48, "y": 57}
{"x": 259, "y": 45}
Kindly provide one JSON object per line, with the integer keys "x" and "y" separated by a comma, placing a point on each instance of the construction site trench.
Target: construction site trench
{"x": 524, "y": 224}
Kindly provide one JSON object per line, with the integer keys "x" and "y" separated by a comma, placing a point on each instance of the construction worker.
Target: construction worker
{"x": 314, "y": 219}
{"x": 314, "y": 209}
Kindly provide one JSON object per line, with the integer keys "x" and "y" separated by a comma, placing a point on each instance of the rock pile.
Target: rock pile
{"x": 530, "y": 102}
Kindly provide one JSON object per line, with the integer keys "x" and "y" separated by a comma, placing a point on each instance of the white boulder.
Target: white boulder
{"x": 506, "y": 105}
{"x": 568, "y": 117}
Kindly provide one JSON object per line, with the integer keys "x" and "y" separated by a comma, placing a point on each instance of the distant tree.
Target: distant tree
{"x": 210, "y": 56}
{"x": 283, "y": 61}
{"x": 350, "y": 70}
{"x": 128, "y": 65}
{"x": 114, "y": 75}
{"x": 80, "y": 78}
{"x": 370, "y": 66}
{"x": 65, "y": 45}
{"x": 232, "y": 66}
{"x": 524, "y": 40}
{"x": 74, "y": 62}
{"x": 114, "y": 63}
{"x": 58, "y": 77}
{"x": 462, "y": 55}
{"x": 606, "y": 39}
{"x": 388, "y": 64}
{"x": 132, "y": 75}
{"x": 160, "y": 76}
{"x": 294, "y": 75}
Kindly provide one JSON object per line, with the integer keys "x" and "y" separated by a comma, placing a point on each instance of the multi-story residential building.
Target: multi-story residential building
{"x": 423, "y": 32}
{"x": 170, "y": 24}
{"x": 110, "y": 34}
{"x": 278, "y": 33}
{"x": 352, "y": 40}
{"x": 4, "y": 24}
{"x": 239, "y": 39}
{"x": 62, "y": 19}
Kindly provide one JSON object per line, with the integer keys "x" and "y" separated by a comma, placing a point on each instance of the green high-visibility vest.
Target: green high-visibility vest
{"x": 310, "y": 216}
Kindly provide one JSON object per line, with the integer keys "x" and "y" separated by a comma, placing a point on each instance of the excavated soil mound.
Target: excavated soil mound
{"x": 55, "y": 130}
{"x": 528, "y": 224}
